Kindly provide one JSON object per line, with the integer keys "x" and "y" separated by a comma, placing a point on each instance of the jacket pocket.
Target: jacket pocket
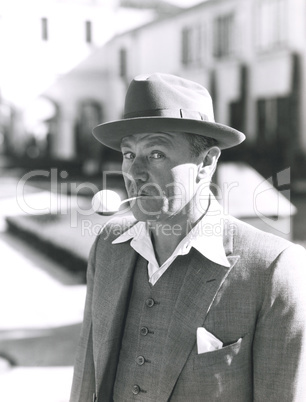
{"x": 233, "y": 356}
{"x": 218, "y": 376}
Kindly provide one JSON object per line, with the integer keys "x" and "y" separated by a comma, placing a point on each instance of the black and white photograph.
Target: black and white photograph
{"x": 153, "y": 200}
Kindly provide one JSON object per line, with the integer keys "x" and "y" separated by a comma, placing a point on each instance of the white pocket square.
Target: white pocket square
{"x": 206, "y": 341}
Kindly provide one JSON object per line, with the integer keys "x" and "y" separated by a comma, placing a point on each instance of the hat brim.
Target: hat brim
{"x": 111, "y": 133}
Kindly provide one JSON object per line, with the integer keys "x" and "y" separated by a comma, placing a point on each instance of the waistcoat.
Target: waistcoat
{"x": 146, "y": 328}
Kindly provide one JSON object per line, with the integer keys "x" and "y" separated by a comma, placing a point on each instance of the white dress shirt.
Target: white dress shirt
{"x": 206, "y": 237}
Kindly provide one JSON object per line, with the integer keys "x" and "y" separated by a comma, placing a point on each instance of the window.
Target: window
{"x": 186, "y": 46}
{"x": 192, "y": 45}
{"x": 44, "y": 29}
{"x": 224, "y": 36}
{"x": 123, "y": 63}
{"x": 271, "y": 24}
{"x": 274, "y": 122}
{"x": 88, "y": 32}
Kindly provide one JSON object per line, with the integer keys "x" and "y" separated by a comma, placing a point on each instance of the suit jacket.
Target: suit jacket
{"x": 256, "y": 307}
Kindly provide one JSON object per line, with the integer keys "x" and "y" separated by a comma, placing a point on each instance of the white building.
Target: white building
{"x": 40, "y": 42}
{"x": 249, "y": 54}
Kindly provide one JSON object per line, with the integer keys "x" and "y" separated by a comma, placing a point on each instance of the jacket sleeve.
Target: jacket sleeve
{"x": 279, "y": 347}
{"x": 83, "y": 384}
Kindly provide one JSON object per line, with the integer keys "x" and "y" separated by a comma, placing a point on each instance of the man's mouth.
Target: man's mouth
{"x": 140, "y": 193}
{"x": 144, "y": 194}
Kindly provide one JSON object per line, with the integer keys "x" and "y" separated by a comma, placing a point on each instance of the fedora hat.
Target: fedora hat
{"x": 166, "y": 103}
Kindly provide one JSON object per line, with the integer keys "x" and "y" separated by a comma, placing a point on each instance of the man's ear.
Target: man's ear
{"x": 210, "y": 159}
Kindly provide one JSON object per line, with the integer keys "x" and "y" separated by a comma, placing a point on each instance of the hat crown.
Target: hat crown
{"x": 168, "y": 96}
{"x": 166, "y": 103}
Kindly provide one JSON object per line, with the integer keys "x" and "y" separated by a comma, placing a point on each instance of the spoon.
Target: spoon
{"x": 108, "y": 202}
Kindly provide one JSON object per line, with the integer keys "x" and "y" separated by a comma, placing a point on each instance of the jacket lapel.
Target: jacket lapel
{"x": 201, "y": 285}
{"x": 112, "y": 297}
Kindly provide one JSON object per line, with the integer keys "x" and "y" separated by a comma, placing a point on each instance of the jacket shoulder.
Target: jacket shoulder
{"x": 252, "y": 242}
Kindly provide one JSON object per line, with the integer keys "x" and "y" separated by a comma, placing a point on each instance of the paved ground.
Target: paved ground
{"x": 41, "y": 308}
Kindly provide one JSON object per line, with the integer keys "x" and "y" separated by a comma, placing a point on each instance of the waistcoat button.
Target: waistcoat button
{"x": 140, "y": 360}
{"x": 135, "y": 389}
{"x": 144, "y": 331}
{"x": 150, "y": 302}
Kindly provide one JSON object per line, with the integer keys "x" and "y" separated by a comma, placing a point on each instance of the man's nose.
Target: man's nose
{"x": 139, "y": 170}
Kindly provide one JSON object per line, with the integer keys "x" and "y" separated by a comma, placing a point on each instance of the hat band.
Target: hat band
{"x": 177, "y": 113}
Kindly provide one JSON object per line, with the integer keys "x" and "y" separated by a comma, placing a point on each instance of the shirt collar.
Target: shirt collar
{"x": 137, "y": 231}
{"x": 206, "y": 237}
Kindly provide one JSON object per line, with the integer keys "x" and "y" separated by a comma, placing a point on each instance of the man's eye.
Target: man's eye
{"x": 156, "y": 155}
{"x": 128, "y": 155}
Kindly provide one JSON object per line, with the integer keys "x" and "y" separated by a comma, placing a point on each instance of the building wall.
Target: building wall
{"x": 260, "y": 37}
{"x": 40, "y": 42}
{"x": 245, "y": 52}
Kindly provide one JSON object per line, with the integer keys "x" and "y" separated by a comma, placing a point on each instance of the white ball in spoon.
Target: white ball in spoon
{"x": 106, "y": 202}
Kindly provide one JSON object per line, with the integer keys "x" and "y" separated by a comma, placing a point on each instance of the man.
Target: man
{"x": 176, "y": 312}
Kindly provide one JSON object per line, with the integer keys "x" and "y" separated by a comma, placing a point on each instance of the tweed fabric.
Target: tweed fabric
{"x": 156, "y": 320}
{"x": 260, "y": 298}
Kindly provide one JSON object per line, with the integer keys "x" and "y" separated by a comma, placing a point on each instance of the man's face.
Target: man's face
{"x": 159, "y": 168}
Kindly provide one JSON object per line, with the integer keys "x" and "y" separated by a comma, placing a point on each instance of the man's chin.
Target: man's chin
{"x": 146, "y": 209}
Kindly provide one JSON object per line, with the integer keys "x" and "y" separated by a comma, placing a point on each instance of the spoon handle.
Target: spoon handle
{"x": 129, "y": 199}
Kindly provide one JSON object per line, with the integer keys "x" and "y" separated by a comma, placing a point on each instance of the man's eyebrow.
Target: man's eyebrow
{"x": 125, "y": 143}
{"x": 155, "y": 141}
{"x": 158, "y": 141}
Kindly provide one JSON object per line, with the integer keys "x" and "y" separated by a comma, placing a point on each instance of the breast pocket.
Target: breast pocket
{"x": 233, "y": 356}
{"x": 219, "y": 376}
